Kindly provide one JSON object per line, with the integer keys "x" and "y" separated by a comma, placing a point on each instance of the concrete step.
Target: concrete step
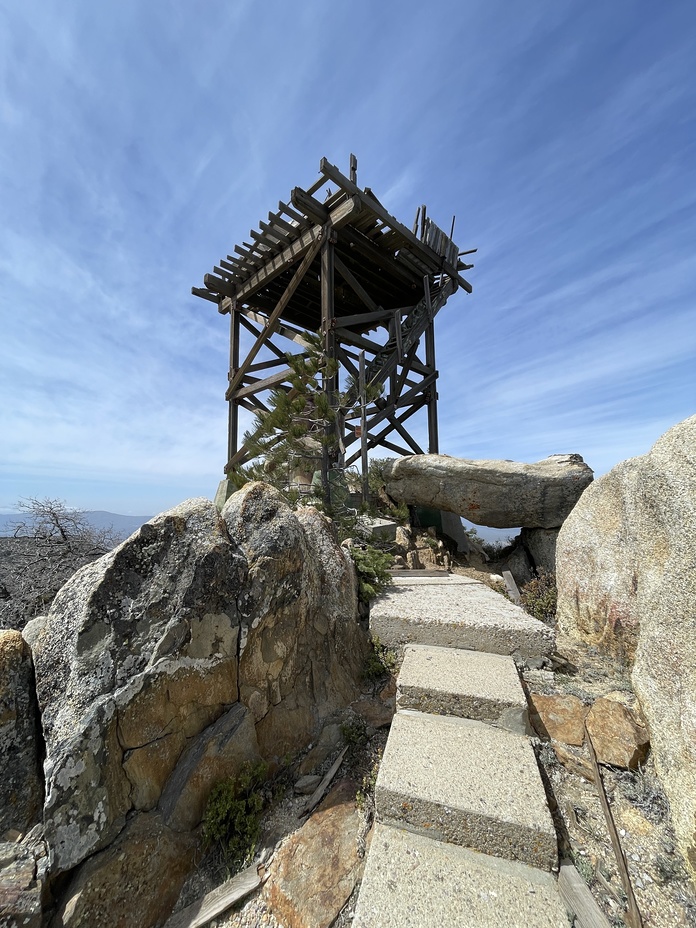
{"x": 412, "y": 881}
{"x": 467, "y": 783}
{"x": 456, "y": 612}
{"x": 467, "y": 684}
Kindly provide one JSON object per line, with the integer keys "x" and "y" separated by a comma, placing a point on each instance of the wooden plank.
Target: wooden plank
{"x": 281, "y": 262}
{"x": 273, "y": 362}
{"x": 287, "y": 331}
{"x": 216, "y": 902}
{"x": 383, "y": 258}
{"x": 218, "y": 285}
{"x": 359, "y": 341}
{"x": 308, "y": 205}
{"x": 410, "y": 441}
{"x": 376, "y": 440}
{"x": 274, "y": 318}
{"x": 278, "y": 264}
{"x": 433, "y": 430}
{"x": 356, "y": 286}
{"x": 578, "y": 898}
{"x": 511, "y": 588}
{"x": 632, "y": 916}
{"x": 318, "y": 793}
{"x": 206, "y": 294}
{"x": 334, "y": 174}
{"x": 297, "y": 217}
{"x": 363, "y": 318}
{"x": 260, "y": 385}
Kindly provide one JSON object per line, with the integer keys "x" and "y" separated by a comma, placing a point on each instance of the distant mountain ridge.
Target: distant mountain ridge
{"x": 123, "y": 526}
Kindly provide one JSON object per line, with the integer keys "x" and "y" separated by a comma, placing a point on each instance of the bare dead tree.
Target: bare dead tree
{"x": 51, "y": 541}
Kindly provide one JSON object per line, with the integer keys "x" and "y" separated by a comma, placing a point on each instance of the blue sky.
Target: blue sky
{"x": 141, "y": 141}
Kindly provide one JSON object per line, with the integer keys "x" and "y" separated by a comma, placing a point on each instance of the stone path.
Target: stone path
{"x": 463, "y": 834}
{"x": 456, "y": 612}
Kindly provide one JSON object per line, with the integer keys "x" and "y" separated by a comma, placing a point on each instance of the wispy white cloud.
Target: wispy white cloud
{"x": 143, "y": 140}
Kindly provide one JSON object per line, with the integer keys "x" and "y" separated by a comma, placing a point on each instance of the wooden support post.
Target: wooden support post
{"x": 433, "y": 437}
{"x": 363, "y": 430}
{"x": 233, "y": 408}
{"x": 330, "y": 384}
{"x": 274, "y": 318}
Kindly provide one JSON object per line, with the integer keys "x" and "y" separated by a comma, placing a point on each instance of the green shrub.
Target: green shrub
{"x": 539, "y": 597}
{"x": 381, "y": 661}
{"x": 233, "y": 815}
{"x": 372, "y": 566}
{"x": 354, "y": 731}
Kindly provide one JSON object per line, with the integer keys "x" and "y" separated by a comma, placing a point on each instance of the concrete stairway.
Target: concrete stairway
{"x": 456, "y": 612}
{"x": 463, "y": 834}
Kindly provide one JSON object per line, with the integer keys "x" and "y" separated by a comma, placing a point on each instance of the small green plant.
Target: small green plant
{"x": 584, "y": 867}
{"x": 233, "y": 815}
{"x": 539, "y": 597}
{"x": 365, "y": 796}
{"x": 372, "y": 566}
{"x": 381, "y": 661}
{"x": 354, "y": 731}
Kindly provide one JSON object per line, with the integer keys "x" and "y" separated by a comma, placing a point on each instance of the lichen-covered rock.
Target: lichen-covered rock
{"x": 302, "y": 649}
{"x": 132, "y": 884}
{"x": 501, "y": 494}
{"x": 540, "y": 545}
{"x": 199, "y": 643}
{"x": 618, "y": 737}
{"x": 21, "y": 784}
{"x": 626, "y": 571}
{"x": 598, "y": 564}
{"x": 139, "y": 654}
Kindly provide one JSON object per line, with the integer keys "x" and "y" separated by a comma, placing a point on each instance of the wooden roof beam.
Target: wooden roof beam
{"x": 333, "y": 173}
{"x": 276, "y": 265}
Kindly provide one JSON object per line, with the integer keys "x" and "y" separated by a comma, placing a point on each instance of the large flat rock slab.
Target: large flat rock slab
{"x": 467, "y": 684}
{"x": 456, "y": 612}
{"x": 415, "y": 882}
{"x": 467, "y": 783}
{"x": 502, "y": 494}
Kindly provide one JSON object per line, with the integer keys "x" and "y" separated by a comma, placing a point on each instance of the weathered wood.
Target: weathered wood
{"x": 318, "y": 793}
{"x": 334, "y": 174}
{"x": 307, "y": 204}
{"x": 511, "y": 587}
{"x": 433, "y": 429}
{"x": 274, "y": 318}
{"x": 266, "y": 384}
{"x": 363, "y": 318}
{"x": 329, "y": 381}
{"x": 359, "y": 341}
{"x": 578, "y": 898}
{"x": 256, "y": 332}
{"x": 375, "y": 440}
{"x": 287, "y": 331}
{"x": 356, "y": 286}
{"x": 272, "y": 362}
{"x": 216, "y": 902}
{"x": 232, "y": 410}
{"x": 278, "y": 264}
{"x": 632, "y": 915}
{"x": 410, "y": 441}
{"x": 206, "y": 294}
{"x": 301, "y": 220}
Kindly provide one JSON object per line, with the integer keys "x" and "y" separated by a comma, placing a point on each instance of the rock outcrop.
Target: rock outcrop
{"x": 203, "y": 641}
{"x": 500, "y": 494}
{"x": 21, "y": 786}
{"x": 626, "y": 569}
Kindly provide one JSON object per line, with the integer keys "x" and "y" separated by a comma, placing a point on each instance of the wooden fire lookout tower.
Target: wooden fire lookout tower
{"x": 335, "y": 261}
